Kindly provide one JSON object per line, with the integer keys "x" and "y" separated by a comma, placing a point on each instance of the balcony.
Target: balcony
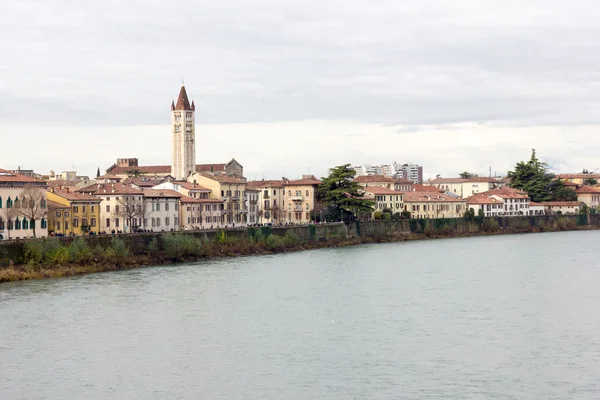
{"x": 234, "y": 198}
{"x": 298, "y": 209}
{"x": 296, "y": 198}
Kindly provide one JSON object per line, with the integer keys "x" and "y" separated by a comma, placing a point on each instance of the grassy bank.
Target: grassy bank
{"x": 52, "y": 258}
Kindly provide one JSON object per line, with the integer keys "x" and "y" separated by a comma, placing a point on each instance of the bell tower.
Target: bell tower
{"x": 183, "y": 128}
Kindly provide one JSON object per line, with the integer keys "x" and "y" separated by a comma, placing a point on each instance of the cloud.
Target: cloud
{"x": 421, "y": 67}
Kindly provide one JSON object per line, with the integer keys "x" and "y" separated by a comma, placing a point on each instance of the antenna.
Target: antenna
{"x": 182, "y": 81}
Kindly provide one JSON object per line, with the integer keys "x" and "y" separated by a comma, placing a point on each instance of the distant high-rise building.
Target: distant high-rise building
{"x": 412, "y": 172}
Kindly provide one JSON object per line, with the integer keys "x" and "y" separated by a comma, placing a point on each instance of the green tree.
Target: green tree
{"x": 340, "y": 193}
{"x": 590, "y": 181}
{"x": 533, "y": 178}
{"x": 468, "y": 175}
{"x": 98, "y": 173}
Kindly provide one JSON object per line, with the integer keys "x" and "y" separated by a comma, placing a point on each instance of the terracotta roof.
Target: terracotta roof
{"x": 374, "y": 178}
{"x": 144, "y": 181}
{"x": 188, "y": 199}
{"x": 265, "y": 183}
{"x": 578, "y": 176}
{"x": 182, "y": 100}
{"x": 56, "y": 206}
{"x": 380, "y": 190}
{"x": 587, "y": 190}
{"x": 569, "y": 183}
{"x": 560, "y": 203}
{"x": 161, "y": 193}
{"x": 221, "y": 178}
{"x": 8, "y": 176}
{"x": 483, "y": 179}
{"x": 483, "y": 200}
{"x": 191, "y": 186}
{"x": 504, "y": 192}
{"x": 160, "y": 169}
{"x": 63, "y": 182}
{"x": 110, "y": 188}
{"x": 413, "y": 197}
{"x": 447, "y": 180}
{"x": 73, "y": 195}
{"x": 302, "y": 182}
{"x": 418, "y": 187}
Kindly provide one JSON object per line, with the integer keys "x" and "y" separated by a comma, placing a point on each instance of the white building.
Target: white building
{"x": 15, "y": 221}
{"x": 122, "y": 206}
{"x": 161, "y": 210}
{"x": 183, "y": 127}
{"x": 251, "y": 196}
{"x": 271, "y": 201}
{"x": 514, "y": 202}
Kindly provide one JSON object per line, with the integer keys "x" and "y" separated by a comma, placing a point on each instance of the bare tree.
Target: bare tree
{"x": 7, "y": 216}
{"x": 32, "y": 204}
{"x": 131, "y": 208}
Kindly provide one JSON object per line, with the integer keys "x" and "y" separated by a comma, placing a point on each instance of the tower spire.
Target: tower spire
{"x": 183, "y": 103}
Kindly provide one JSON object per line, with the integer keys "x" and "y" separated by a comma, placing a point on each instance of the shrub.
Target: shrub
{"x": 491, "y": 225}
{"x": 313, "y": 231}
{"x": 180, "y": 245}
{"x": 38, "y": 252}
{"x": 221, "y": 237}
{"x": 275, "y": 242}
{"x": 59, "y": 256}
{"x": 291, "y": 238}
{"x": 79, "y": 251}
{"x": 120, "y": 251}
{"x": 153, "y": 247}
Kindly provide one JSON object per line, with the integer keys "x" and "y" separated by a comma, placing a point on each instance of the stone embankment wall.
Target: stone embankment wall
{"x": 12, "y": 252}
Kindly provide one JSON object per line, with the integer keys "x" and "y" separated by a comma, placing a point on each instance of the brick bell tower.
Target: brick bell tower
{"x": 183, "y": 128}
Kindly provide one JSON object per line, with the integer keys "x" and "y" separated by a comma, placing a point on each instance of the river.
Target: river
{"x": 502, "y": 317}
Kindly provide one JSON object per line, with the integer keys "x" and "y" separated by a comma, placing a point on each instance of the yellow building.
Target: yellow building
{"x": 434, "y": 205}
{"x": 385, "y": 198}
{"x": 578, "y": 179}
{"x": 589, "y": 195}
{"x": 231, "y": 190}
{"x": 72, "y": 213}
{"x": 299, "y": 199}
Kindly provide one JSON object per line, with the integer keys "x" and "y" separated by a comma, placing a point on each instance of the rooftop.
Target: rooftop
{"x": 413, "y": 197}
{"x": 161, "y": 193}
{"x": 11, "y": 177}
{"x": 380, "y": 190}
{"x": 72, "y": 195}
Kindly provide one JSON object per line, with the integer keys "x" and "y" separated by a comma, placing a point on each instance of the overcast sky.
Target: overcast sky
{"x": 288, "y": 87}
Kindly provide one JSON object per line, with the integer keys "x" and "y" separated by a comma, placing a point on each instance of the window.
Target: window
{"x": 67, "y": 225}
{"x": 93, "y": 208}
{"x": 167, "y": 207}
{"x": 108, "y": 222}
{"x": 176, "y": 206}
{"x": 307, "y": 192}
{"x": 157, "y": 221}
{"x": 107, "y": 208}
{"x": 116, "y": 222}
{"x": 56, "y": 226}
{"x": 157, "y": 206}
{"x": 83, "y": 222}
{"x": 93, "y": 222}
{"x": 167, "y": 221}
{"x": 307, "y": 207}
{"x": 117, "y": 210}
{"x": 83, "y": 209}
{"x": 75, "y": 222}
{"x": 66, "y": 213}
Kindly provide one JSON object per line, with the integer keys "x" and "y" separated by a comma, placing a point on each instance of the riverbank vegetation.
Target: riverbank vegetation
{"x": 57, "y": 257}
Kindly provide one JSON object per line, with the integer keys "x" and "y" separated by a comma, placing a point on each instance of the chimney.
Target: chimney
{"x": 67, "y": 189}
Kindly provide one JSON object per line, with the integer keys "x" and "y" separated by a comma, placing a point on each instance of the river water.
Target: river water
{"x": 504, "y": 317}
